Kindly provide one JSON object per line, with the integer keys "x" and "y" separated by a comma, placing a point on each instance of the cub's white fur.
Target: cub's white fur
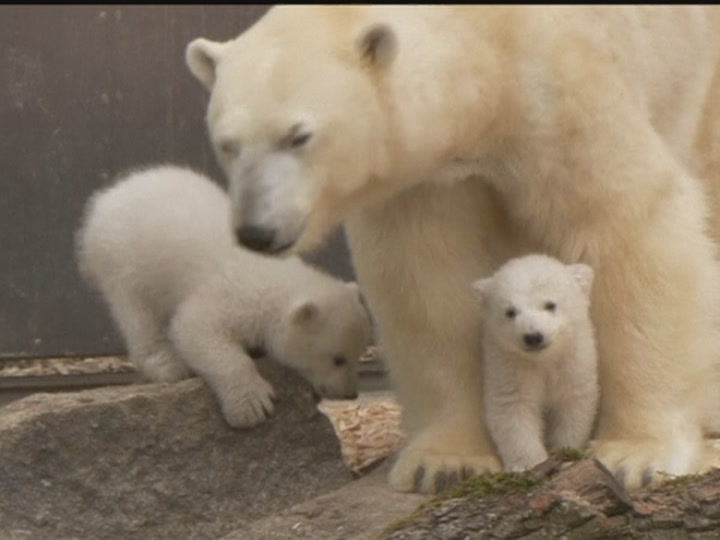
{"x": 158, "y": 246}
{"x": 540, "y": 373}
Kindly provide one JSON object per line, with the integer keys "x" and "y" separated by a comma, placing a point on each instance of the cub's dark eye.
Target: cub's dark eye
{"x": 297, "y": 137}
{"x": 300, "y": 140}
{"x": 550, "y": 306}
{"x": 229, "y": 148}
{"x": 339, "y": 361}
{"x": 510, "y": 313}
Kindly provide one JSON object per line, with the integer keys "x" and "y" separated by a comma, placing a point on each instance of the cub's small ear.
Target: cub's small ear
{"x": 584, "y": 275}
{"x": 304, "y": 313}
{"x": 481, "y": 288}
{"x": 202, "y": 57}
{"x": 377, "y": 45}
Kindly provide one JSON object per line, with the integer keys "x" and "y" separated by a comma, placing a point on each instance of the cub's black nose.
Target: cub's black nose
{"x": 533, "y": 340}
{"x": 255, "y": 238}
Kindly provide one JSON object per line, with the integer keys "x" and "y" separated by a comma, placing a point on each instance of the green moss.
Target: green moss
{"x": 402, "y": 523}
{"x": 492, "y": 484}
{"x": 487, "y": 485}
{"x": 569, "y": 454}
{"x": 679, "y": 482}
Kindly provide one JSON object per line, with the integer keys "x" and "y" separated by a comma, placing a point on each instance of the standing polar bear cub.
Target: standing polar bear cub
{"x": 158, "y": 246}
{"x": 449, "y": 139}
{"x": 540, "y": 358}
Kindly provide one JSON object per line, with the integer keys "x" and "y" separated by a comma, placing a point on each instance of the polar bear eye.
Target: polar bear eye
{"x": 229, "y": 148}
{"x": 297, "y": 137}
{"x": 550, "y": 306}
{"x": 339, "y": 361}
{"x": 300, "y": 140}
{"x": 510, "y": 313}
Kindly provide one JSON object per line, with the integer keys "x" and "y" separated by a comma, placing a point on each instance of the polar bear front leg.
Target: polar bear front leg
{"x": 571, "y": 423}
{"x": 443, "y": 413}
{"x": 656, "y": 311}
{"x": 416, "y": 258}
{"x": 208, "y": 347}
{"x": 517, "y": 430}
{"x": 651, "y": 389}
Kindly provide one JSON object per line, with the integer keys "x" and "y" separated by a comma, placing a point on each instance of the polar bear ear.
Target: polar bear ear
{"x": 584, "y": 275}
{"x": 304, "y": 313}
{"x": 202, "y": 57}
{"x": 377, "y": 45}
{"x": 481, "y": 288}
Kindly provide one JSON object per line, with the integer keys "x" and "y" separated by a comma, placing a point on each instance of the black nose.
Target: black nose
{"x": 533, "y": 340}
{"x": 255, "y": 238}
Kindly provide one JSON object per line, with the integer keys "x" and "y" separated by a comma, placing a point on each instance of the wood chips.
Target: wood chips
{"x": 33, "y": 367}
{"x": 368, "y": 429}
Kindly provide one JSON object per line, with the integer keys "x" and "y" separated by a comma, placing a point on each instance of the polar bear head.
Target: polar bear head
{"x": 322, "y": 335}
{"x": 297, "y": 120}
{"x": 533, "y": 304}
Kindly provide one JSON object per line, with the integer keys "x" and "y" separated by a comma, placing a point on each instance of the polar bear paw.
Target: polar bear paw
{"x": 525, "y": 462}
{"x": 430, "y": 472}
{"x": 251, "y": 405}
{"x": 640, "y": 463}
{"x": 164, "y": 366}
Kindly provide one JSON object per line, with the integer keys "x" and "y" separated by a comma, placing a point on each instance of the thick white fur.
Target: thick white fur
{"x": 538, "y": 398}
{"x": 158, "y": 246}
{"x": 451, "y": 138}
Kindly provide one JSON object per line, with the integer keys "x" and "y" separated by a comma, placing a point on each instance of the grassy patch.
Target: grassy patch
{"x": 569, "y": 454}
{"x": 491, "y": 484}
{"x": 672, "y": 481}
{"x": 486, "y": 485}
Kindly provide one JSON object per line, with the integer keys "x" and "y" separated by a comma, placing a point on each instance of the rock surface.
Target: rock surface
{"x": 157, "y": 461}
{"x": 360, "y": 510}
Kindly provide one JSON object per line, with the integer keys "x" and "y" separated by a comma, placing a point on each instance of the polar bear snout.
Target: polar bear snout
{"x": 534, "y": 341}
{"x": 268, "y": 239}
{"x": 270, "y": 201}
{"x": 255, "y": 238}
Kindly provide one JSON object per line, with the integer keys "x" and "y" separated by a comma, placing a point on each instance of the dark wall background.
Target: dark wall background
{"x": 86, "y": 92}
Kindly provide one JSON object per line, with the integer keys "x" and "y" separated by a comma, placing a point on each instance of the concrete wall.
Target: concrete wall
{"x": 86, "y": 92}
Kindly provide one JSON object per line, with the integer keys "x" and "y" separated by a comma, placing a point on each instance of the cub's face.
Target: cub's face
{"x": 531, "y": 325}
{"x": 323, "y": 340}
{"x": 532, "y": 305}
{"x": 296, "y": 125}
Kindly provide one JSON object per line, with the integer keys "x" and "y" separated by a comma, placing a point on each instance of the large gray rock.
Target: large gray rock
{"x": 158, "y": 461}
{"x": 359, "y": 510}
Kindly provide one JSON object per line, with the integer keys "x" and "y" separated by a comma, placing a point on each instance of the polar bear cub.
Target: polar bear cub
{"x": 541, "y": 383}
{"x": 158, "y": 246}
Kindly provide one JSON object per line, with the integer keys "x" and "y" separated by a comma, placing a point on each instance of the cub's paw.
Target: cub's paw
{"x": 523, "y": 463}
{"x": 164, "y": 366}
{"x": 427, "y": 472}
{"x": 640, "y": 463}
{"x": 250, "y": 405}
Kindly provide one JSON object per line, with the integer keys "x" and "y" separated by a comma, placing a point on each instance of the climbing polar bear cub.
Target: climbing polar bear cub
{"x": 450, "y": 139}
{"x": 158, "y": 246}
{"x": 540, "y": 358}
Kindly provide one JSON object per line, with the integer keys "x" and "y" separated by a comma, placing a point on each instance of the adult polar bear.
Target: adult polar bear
{"x": 449, "y": 139}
